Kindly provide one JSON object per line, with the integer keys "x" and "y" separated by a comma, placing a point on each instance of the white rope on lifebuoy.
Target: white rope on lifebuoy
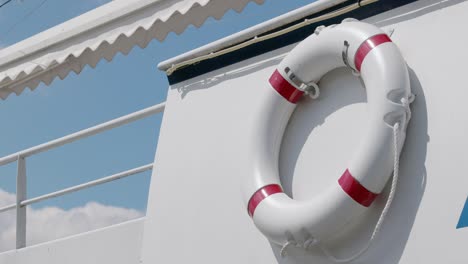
{"x": 285, "y": 246}
{"x": 391, "y": 195}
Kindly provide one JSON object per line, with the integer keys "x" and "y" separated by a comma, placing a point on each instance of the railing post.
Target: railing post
{"x": 21, "y": 210}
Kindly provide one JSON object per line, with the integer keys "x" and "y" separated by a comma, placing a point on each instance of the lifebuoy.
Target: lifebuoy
{"x": 369, "y": 52}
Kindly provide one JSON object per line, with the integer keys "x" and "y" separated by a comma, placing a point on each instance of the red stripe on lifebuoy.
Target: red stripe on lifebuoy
{"x": 261, "y": 194}
{"x": 284, "y": 88}
{"x": 367, "y": 46}
{"x": 354, "y": 189}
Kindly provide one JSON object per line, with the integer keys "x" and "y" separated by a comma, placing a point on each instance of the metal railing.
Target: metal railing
{"x": 21, "y": 179}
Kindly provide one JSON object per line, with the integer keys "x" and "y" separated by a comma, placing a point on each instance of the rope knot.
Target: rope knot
{"x": 283, "y": 252}
{"x": 406, "y": 102}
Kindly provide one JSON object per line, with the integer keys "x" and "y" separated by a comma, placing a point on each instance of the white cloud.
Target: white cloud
{"x": 50, "y": 223}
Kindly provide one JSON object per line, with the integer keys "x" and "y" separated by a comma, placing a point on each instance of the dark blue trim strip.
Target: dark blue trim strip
{"x": 463, "y": 222}
{"x": 248, "y": 52}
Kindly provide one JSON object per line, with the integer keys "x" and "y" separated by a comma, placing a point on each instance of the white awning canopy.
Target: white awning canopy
{"x": 101, "y": 33}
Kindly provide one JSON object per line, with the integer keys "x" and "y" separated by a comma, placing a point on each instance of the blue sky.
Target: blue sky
{"x": 126, "y": 84}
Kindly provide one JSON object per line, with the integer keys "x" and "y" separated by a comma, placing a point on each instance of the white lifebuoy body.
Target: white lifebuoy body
{"x": 370, "y": 52}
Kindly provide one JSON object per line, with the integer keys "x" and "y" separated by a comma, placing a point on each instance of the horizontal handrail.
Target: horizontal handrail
{"x": 8, "y": 207}
{"x": 20, "y": 157}
{"x": 84, "y": 133}
{"x": 75, "y": 188}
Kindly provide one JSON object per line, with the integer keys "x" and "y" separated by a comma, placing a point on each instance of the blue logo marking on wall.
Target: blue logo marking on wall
{"x": 463, "y": 222}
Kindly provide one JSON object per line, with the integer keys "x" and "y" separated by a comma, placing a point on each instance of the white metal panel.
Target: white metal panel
{"x": 118, "y": 244}
{"x": 101, "y": 33}
{"x": 195, "y": 211}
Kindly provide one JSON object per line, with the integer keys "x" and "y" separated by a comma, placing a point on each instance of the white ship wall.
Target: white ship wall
{"x": 196, "y": 214}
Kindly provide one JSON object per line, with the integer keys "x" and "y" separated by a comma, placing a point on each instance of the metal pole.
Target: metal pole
{"x": 21, "y": 210}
